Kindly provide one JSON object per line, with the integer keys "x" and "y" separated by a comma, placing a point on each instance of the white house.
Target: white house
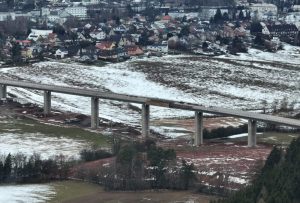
{"x": 36, "y": 34}
{"x": 61, "y": 53}
{"x": 296, "y": 7}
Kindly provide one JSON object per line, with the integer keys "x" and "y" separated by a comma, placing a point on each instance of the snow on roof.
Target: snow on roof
{"x": 264, "y": 5}
{"x": 41, "y": 32}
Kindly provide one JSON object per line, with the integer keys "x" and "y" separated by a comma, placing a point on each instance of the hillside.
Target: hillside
{"x": 279, "y": 180}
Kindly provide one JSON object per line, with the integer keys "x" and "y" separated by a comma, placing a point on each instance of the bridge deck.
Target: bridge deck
{"x": 155, "y": 102}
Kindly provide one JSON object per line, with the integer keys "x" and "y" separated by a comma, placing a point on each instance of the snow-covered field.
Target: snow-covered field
{"x": 290, "y": 55}
{"x": 13, "y": 140}
{"x": 244, "y": 83}
{"x": 242, "y": 135}
{"x": 41, "y": 144}
{"x": 34, "y": 193}
{"x": 21, "y": 136}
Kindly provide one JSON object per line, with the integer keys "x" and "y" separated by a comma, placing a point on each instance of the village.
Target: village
{"x": 87, "y": 31}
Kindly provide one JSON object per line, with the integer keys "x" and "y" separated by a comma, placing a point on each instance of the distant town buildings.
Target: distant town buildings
{"x": 105, "y": 30}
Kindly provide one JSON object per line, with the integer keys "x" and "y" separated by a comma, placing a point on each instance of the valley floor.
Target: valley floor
{"x": 78, "y": 192}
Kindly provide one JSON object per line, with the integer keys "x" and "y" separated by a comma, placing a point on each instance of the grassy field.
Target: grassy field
{"x": 276, "y": 138}
{"x": 26, "y": 125}
{"x": 71, "y": 191}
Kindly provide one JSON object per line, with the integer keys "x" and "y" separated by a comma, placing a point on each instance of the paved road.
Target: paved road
{"x": 155, "y": 102}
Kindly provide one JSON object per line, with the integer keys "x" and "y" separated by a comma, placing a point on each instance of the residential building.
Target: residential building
{"x": 280, "y": 30}
{"x": 263, "y": 11}
{"x": 36, "y": 34}
{"x": 77, "y": 11}
{"x": 61, "y": 53}
{"x": 7, "y": 16}
{"x": 163, "y": 47}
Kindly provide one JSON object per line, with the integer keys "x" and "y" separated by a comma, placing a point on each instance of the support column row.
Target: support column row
{"x": 94, "y": 112}
{"x": 145, "y": 120}
{"x": 47, "y": 102}
{"x": 252, "y": 126}
{"x": 3, "y": 91}
{"x": 198, "y": 139}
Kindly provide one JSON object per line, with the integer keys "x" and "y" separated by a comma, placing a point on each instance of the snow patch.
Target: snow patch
{"x": 33, "y": 193}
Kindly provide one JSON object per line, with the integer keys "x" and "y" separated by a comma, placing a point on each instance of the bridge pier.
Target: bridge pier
{"x": 198, "y": 140}
{"x": 3, "y": 91}
{"x": 47, "y": 102}
{"x": 145, "y": 120}
{"x": 252, "y": 125}
{"x": 94, "y": 112}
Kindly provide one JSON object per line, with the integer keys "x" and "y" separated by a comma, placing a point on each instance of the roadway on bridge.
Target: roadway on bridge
{"x": 154, "y": 102}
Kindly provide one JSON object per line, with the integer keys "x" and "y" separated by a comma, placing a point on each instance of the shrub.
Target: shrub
{"x": 92, "y": 155}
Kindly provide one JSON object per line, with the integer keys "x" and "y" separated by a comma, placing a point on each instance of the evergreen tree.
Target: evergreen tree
{"x": 225, "y": 16}
{"x": 218, "y": 18}
{"x": 10, "y": 4}
{"x": 185, "y": 31}
{"x": 1, "y": 171}
{"x": 158, "y": 158}
{"x": 129, "y": 10}
{"x": 255, "y": 28}
{"x": 187, "y": 174}
{"x": 241, "y": 15}
{"x": 7, "y": 167}
{"x": 16, "y": 52}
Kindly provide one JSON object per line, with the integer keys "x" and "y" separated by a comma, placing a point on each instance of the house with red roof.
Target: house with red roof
{"x": 134, "y": 50}
{"x": 105, "y": 45}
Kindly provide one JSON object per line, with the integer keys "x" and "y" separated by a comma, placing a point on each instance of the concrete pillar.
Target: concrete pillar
{"x": 145, "y": 120}
{"x": 252, "y": 125}
{"x": 3, "y": 91}
{"x": 94, "y": 112}
{"x": 47, "y": 102}
{"x": 198, "y": 128}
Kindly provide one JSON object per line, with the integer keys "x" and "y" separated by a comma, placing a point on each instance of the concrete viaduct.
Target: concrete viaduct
{"x": 146, "y": 102}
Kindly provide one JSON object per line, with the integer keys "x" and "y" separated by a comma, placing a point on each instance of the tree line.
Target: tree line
{"x": 20, "y": 168}
{"x": 140, "y": 166}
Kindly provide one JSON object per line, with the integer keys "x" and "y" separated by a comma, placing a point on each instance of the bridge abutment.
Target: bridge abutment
{"x": 47, "y": 102}
{"x": 198, "y": 140}
{"x": 145, "y": 120}
{"x": 3, "y": 91}
{"x": 94, "y": 112}
{"x": 252, "y": 126}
